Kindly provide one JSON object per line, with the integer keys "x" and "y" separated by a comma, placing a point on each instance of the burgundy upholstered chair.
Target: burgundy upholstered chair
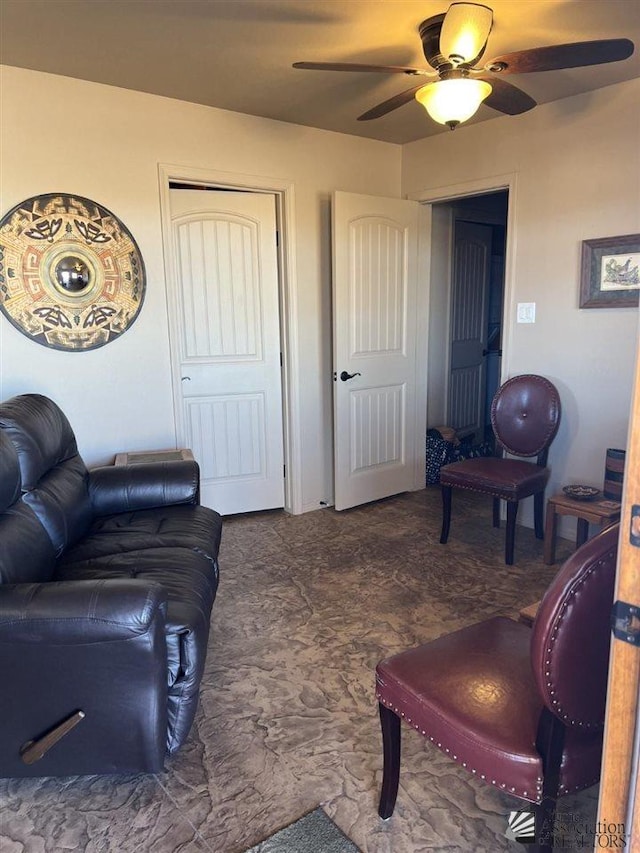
{"x": 520, "y": 707}
{"x": 525, "y": 414}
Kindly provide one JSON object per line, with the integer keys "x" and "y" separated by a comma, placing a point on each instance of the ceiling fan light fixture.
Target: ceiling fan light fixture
{"x": 465, "y": 31}
{"x": 451, "y": 102}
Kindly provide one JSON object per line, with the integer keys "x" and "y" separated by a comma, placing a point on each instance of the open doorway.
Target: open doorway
{"x": 466, "y": 314}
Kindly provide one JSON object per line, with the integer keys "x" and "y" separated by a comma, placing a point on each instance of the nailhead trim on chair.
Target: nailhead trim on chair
{"x": 565, "y": 790}
{"x": 501, "y": 785}
{"x": 550, "y": 651}
{"x": 491, "y": 493}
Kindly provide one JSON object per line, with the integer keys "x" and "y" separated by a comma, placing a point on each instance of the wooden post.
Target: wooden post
{"x": 619, "y": 803}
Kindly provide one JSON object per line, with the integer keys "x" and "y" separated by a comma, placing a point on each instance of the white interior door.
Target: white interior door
{"x": 469, "y": 326}
{"x": 375, "y": 255}
{"x": 226, "y": 345}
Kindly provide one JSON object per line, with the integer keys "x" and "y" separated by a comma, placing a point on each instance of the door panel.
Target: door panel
{"x": 227, "y": 344}
{"x": 375, "y": 270}
{"x": 469, "y": 301}
{"x": 465, "y": 409}
{"x": 227, "y": 435}
{"x": 377, "y": 427}
{"x": 378, "y": 282}
{"x": 220, "y": 287}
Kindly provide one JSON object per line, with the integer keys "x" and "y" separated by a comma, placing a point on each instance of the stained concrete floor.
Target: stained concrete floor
{"x": 306, "y": 607}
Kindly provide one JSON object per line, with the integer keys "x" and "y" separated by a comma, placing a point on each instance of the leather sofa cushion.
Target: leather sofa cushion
{"x": 10, "y": 485}
{"x": 61, "y": 503}
{"x": 194, "y": 527}
{"x": 54, "y": 477}
{"x": 41, "y": 434}
{"x": 26, "y": 552}
{"x": 190, "y": 580}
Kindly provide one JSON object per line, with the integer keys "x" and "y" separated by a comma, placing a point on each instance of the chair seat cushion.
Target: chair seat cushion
{"x": 509, "y": 479}
{"x": 472, "y": 693}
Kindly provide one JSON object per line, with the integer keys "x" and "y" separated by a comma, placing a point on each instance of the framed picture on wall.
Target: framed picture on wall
{"x": 610, "y": 274}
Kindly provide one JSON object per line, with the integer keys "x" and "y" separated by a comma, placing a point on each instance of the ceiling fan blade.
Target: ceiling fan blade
{"x": 507, "y": 98}
{"x": 558, "y": 56}
{"x": 465, "y": 31}
{"x": 355, "y": 66}
{"x": 390, "y": 104}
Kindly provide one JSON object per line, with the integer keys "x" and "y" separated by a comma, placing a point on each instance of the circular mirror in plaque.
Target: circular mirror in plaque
{"x": 71, "y": 274}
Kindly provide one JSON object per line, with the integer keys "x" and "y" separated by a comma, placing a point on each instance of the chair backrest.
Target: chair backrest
{"x": 571, "y": 633}
{"x": 525, "y": 415}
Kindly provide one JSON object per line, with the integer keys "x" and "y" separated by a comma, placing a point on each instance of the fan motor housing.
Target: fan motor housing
{"x": 429, "y": 31}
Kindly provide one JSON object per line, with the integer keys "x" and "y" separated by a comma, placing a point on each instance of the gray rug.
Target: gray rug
{"x": 313, "y": 833}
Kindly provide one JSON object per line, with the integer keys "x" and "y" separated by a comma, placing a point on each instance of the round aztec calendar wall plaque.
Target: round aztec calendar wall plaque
{"x": 71, "y": 274}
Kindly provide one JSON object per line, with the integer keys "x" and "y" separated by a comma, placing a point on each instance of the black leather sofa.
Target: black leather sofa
{"x": 107, "y": 580}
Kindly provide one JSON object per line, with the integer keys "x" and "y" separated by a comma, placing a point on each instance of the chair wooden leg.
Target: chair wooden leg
{"x": 549, "y": 743}
{"x": 538, "y": 513}
{"x": 550, "y": 534}
{"x": 509, "y": 546}
{"x": 390, "y": 724}
{"x": 496, "y": 512}
{"x": 544, "y": 814}
{"x": 582, "y": 532}
{"x": 446, "y": 514}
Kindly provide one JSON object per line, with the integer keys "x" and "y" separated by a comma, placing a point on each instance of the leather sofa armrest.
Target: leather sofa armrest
{"x": 79, "y": 612}
{"x": 125, "y": 488}
{"x": 85, "y": 664}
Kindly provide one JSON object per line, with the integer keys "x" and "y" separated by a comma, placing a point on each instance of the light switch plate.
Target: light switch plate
{"x": 526, "y": 312}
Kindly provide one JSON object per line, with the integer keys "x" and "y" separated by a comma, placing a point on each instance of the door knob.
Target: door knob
{"x": 344, "y": 375}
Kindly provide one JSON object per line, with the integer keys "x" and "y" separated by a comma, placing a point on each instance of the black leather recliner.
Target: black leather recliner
{"x": 107, "y": 581}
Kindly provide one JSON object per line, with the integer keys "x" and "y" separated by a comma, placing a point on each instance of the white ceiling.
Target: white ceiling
{"x": 237, "y": 54}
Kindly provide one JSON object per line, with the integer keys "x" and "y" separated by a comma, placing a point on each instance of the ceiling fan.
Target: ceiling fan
{"x": 453, "y": 44}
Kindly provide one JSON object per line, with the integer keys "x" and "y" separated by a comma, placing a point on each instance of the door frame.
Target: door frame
{"x": 619, "y": 795}
{"x": 467, "y": 189}
{"x": 285, "y": 218}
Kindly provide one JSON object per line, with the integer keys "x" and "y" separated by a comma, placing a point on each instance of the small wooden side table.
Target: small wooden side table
{"x": 140, "y": 457}
{"x": 587, "y": 512}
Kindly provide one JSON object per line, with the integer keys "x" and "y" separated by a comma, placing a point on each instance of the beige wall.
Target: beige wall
{"x": 105, "y": 143}
{"x": 577, "y": 176}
